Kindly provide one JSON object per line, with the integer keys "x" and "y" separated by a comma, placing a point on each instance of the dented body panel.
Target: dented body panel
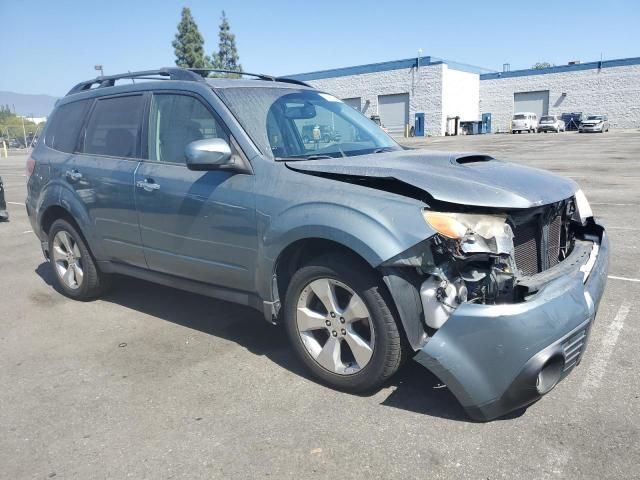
{"x": 483, "y": 352}
{"x": 449, "y": 178}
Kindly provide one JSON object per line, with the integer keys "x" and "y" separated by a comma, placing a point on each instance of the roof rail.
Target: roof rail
{"x": 260, "y": 76}
{"x": 171, "y": 73}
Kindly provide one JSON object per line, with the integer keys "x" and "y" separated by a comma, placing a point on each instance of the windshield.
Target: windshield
{"x": 547, "y": 119}
{"x": 594, "y": 117}
{"x": 293, "y": 124}
{"x": 519, "y": 117}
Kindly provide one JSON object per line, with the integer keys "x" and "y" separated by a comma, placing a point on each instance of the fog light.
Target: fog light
{"x": 550, "y": 374}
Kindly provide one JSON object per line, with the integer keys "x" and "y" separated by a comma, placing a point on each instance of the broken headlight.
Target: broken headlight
{"x": 477, "y": 233}
{"x": 583, "y": 209}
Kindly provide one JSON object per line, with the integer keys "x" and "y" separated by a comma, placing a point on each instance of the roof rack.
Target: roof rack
{"x": 171, "y": 73}
{"x": 260, "y": 76}
{"x": 109, "y": 81}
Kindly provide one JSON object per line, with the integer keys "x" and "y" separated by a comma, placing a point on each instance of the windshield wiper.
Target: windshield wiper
{"x": 383, "y": 149}
{"x": 309, "y": 157}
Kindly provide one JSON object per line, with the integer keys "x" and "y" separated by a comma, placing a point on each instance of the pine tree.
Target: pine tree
{"x": 189, "y": 44}
{"x": 226, "y": 58}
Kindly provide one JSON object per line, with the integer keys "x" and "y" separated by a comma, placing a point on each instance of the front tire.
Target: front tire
{"x": 340, "y": 324}
{"x": 74, "y": 269}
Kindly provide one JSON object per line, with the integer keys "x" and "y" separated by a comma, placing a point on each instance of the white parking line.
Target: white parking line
{"x": 12, "y": 175}
{"x": 623, "y": 228}
{"x": 27, "y": 231}
{"x": 599, "y": 367}
{"x": 15, "y": 203}
{"x": 626, "y": 279}
{"x": 617, "y": 204}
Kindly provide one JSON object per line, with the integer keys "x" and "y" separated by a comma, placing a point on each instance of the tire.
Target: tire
{"x": 68, "y": 248}
{"x": 317, "y": 332}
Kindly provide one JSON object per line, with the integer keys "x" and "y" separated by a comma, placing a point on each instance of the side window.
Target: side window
{"x": 114, "y": 127}
{"x": 174, "y": 122}
{"x": 65, "y": 126}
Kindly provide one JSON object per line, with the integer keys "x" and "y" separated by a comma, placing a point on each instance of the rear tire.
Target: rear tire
{"x": 74, "y": 269}
{"x": 350, "y": 339}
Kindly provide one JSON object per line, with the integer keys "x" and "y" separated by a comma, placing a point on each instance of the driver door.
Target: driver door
{"x": 196, "y": 225}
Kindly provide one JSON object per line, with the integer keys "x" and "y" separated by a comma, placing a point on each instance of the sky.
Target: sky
{"x": 49, "y": 45}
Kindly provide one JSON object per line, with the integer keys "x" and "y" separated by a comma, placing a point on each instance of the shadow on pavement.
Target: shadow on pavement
{"x": 416, "y": 389}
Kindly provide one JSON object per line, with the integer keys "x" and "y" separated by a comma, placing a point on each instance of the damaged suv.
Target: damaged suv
{"x": 488, "y": 273}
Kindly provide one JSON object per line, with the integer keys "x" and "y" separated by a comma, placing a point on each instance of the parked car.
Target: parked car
{"x": 595, "y": 123}
{"x": 524, "y": 122}
{"x": 487, "y": 272}
{"x": 551, "y": 123}
{"x": 4, "y": 214}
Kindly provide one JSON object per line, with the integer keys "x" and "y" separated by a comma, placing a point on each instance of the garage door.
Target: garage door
{"x": 394, "y": 112}
{"x": 353, "y": 102}
{"x": 536, "y": 102}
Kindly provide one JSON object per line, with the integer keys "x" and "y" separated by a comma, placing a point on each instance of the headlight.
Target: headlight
{"x": 583, "y": 207}
{"x": 495, "y": 234}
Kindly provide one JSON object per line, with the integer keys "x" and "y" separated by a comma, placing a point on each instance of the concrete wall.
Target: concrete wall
{"x": 460, "y": 95}
{"x": 614, "y": 91}
{"x": 424, "y": 87}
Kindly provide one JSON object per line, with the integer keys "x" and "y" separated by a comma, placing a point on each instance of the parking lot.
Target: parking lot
{"x": 151, "y": 382}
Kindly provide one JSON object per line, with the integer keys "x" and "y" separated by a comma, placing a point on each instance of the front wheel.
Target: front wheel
{"x": 340, "y": 324}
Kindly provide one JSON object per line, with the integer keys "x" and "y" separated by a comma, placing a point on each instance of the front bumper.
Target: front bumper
{"x": 490, "y": 355}
{"x": 548, "y": 128}
{"x": 589, "y": 128}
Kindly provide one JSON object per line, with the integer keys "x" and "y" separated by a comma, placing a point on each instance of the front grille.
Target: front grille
{"x": 573, "y": 348}
{"x": 526, "y": 249}
{"x": 553, "y": 240}
{"x": 538, "y": 238}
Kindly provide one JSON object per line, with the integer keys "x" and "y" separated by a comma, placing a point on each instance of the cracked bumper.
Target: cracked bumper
{"x": 490, "y": 355}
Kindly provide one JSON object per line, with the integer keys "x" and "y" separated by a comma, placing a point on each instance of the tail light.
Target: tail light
{"x": 31, "y": 165}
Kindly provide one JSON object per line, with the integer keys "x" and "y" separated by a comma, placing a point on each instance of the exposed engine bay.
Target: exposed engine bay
{"x": 500, "y": 258}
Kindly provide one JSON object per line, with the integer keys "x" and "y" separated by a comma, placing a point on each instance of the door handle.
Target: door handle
{"x": 73, "y": 175}
{"x": 148, "y": 185}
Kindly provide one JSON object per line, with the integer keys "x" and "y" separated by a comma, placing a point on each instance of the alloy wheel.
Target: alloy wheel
{"x": 67, "y": 260}
{"x": 335, "y": 326}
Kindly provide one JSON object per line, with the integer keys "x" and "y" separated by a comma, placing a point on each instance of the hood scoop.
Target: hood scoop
{"x": 467, "y": 159}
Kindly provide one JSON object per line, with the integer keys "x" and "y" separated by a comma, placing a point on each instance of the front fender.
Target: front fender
{"x": 375, "y": 234}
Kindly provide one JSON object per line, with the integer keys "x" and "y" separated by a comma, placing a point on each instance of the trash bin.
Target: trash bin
{"x": 419, "y": 124}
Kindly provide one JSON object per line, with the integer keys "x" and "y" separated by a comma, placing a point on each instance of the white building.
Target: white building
{"x": 442, "y": 89}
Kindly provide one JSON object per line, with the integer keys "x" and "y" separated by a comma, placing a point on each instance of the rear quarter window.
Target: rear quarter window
{"x": 64, "y": 127}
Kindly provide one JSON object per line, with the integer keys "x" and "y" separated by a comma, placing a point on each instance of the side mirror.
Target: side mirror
{"x": 208, "y": 154}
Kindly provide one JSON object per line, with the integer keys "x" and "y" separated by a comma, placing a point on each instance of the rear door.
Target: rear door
{"x": 196, "y": 225}
{"x": 102, "y": 174}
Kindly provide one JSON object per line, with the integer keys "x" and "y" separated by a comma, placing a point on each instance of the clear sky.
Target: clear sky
{"x": 49, "y": 45}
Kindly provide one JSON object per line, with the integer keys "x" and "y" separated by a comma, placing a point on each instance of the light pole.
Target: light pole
{"x": 99, "y": 69}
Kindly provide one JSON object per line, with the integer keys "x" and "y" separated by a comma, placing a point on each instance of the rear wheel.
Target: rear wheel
{"x": 75, "y": 271}
{"x": 341, "y": 324}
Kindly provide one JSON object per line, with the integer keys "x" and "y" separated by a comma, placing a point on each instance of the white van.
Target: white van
{"x": 524, "y": 121}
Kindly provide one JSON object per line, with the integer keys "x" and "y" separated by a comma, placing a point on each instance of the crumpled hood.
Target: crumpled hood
{"x": 459, "y": 178}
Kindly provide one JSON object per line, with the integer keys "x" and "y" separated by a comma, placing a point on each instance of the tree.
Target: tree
{"x": 226, "y": 58}
{"x": 189, "y": 44}
{"x": 541, "y": 65}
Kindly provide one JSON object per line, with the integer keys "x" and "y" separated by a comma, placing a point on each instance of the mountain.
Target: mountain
{"x": 27, "y": 104}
